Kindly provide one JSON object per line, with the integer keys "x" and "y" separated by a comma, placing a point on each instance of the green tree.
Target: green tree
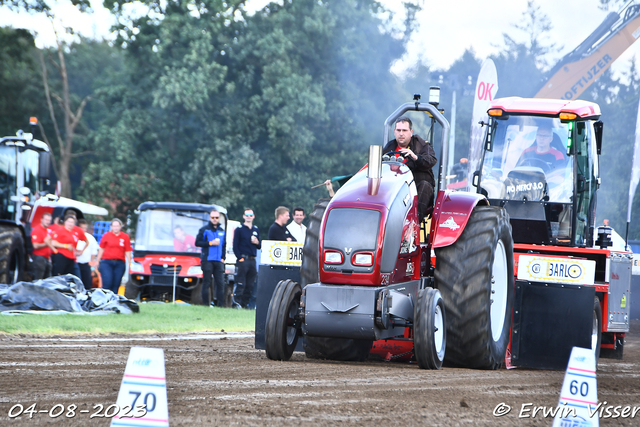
{"x": 218, "y": 106}
{"x": 20, "y": 82}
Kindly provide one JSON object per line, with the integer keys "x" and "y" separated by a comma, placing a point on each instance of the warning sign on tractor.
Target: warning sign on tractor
{"x": 281, "y": 253}
{"x": 556, "y": 270}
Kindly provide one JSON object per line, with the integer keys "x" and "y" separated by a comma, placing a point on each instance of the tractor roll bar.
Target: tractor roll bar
{"x": 437, "y": 115}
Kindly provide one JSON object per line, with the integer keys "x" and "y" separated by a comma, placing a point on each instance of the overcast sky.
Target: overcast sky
{"x": 447, "y": 28}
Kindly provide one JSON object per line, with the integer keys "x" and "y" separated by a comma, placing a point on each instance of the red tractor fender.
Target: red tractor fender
{"x": 450, "y": 215}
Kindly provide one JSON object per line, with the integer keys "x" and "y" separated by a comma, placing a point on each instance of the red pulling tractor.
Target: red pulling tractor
{"x": 377, "y": 279}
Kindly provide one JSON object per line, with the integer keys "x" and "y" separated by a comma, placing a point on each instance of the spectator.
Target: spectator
{"x": 420, "y": 159}
{"x": 183, "y": 242}
{"x": 212, "y": 239}
{"x": 87, "y": 252}
{"x": 278, "y": 230}
{"x": 246, "y": 242}
{"x": 113, "y": 256}
{"x": 297, "y": 229}
{"x": 65, "y": 239}
{"x": 42, "y": 248}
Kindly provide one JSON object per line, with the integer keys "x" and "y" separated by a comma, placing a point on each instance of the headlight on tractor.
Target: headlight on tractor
{"x": 136, "y": 267}
{"x": 333, "y": 257}
{"x": 194, "y": 271}
{"x": 363, "y": 260}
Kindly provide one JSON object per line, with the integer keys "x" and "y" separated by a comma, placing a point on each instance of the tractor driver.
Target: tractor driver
{"x": 543, "y": 153}
{"x": 420, "y": 159}
{"x": 546, "y": 153}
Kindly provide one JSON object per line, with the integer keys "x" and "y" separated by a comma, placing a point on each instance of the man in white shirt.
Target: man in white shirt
{"x": 86, "y": 256}
{"x": 296, "y": 227}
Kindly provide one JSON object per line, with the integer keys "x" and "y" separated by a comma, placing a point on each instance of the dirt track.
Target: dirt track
{"x": 227, "y": 382}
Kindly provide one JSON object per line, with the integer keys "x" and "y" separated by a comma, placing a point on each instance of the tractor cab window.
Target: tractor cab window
{"x": 30, "y": 161}
{"x": 586, "y": 182}
{"x": 166, "y": 231}
{"x": 8, "y": 184}
{"x": 529, "y": 161}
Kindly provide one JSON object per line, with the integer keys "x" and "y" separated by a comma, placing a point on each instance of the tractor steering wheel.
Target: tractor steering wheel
{"x": 538, "y": 163}
{"x": 404, "y": 156}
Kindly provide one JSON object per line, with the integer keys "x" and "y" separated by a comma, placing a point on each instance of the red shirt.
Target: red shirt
{"x": 115, "y": 246}
{"x": 189, "y": 244}
{"x": 64, "y": 236}
{"x": 38, "y": 234}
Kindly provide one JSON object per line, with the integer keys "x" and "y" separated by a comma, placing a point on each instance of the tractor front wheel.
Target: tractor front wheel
{"x": 429, "y": 333}
{"x": 476, "y": 279}
{"x": 283, "y": 321}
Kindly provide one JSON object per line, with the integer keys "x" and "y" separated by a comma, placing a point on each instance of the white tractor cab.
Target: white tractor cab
{"x": 166, "y": 261}
{"x": 24, "y": 174}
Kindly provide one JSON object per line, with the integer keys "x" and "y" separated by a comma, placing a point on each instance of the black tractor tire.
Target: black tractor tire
{"x": 196, "y": 294}
{"x": 309, "y": 271}
{"x": 474, "y": 275}
{"x": 12, "y": 255}
{"x": 131, "y": 290}
{"x": 282, "y": 326}
{"x": 429, "y": 329}
{"x": 343, "y": 349}
{"x": 596, "y": 333}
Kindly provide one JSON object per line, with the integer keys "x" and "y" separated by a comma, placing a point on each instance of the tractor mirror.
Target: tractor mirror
{"x": 597, "y": 128}
{"x": 44, "y": 165}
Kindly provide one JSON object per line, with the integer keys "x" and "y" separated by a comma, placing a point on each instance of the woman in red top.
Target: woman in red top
{"x": 115, "y": 250}
{"x": 65, "y": 240}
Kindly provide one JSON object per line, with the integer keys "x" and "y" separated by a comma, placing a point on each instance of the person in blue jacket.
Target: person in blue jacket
{"x": 212, "y": 239}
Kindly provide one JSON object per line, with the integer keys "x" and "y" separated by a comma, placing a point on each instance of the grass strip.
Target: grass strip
{"x": 152, "y": 318}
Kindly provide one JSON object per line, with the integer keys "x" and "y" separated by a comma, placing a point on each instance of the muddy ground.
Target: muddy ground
{"x": 214, "y": 381}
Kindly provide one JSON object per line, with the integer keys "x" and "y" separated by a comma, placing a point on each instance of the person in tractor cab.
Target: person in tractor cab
{"x": 545, "y": 153}
{"x": 420, "y": 159}
{"x": 183, "y": 242}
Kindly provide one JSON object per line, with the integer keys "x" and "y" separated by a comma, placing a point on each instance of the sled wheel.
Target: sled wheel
{"x": 283, "y": 321}
{"x": 475, "y": 277}
{"x": 429, "y": 333}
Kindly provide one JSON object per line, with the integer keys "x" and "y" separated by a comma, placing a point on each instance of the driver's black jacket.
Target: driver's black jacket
{"x": 422, "y": 167}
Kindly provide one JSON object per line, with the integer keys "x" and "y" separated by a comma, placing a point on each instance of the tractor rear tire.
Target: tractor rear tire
{"x": 310, "y": 268}
{"x": 281, "y": 331}
{"x": 429, "y": 330}
{"x": 12, "y": 255}
{"x": 476, "y": 279}
{"x": 342, "y": 349}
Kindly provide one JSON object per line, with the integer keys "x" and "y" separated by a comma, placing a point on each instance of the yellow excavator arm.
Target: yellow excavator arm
{"x": 580, "y": 68}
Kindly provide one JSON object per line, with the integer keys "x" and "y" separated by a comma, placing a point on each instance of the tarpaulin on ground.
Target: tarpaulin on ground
{"x": 65, "y": 293}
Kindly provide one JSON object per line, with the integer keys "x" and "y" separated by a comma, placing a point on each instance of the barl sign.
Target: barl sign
{"x": 556, "y": 270}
